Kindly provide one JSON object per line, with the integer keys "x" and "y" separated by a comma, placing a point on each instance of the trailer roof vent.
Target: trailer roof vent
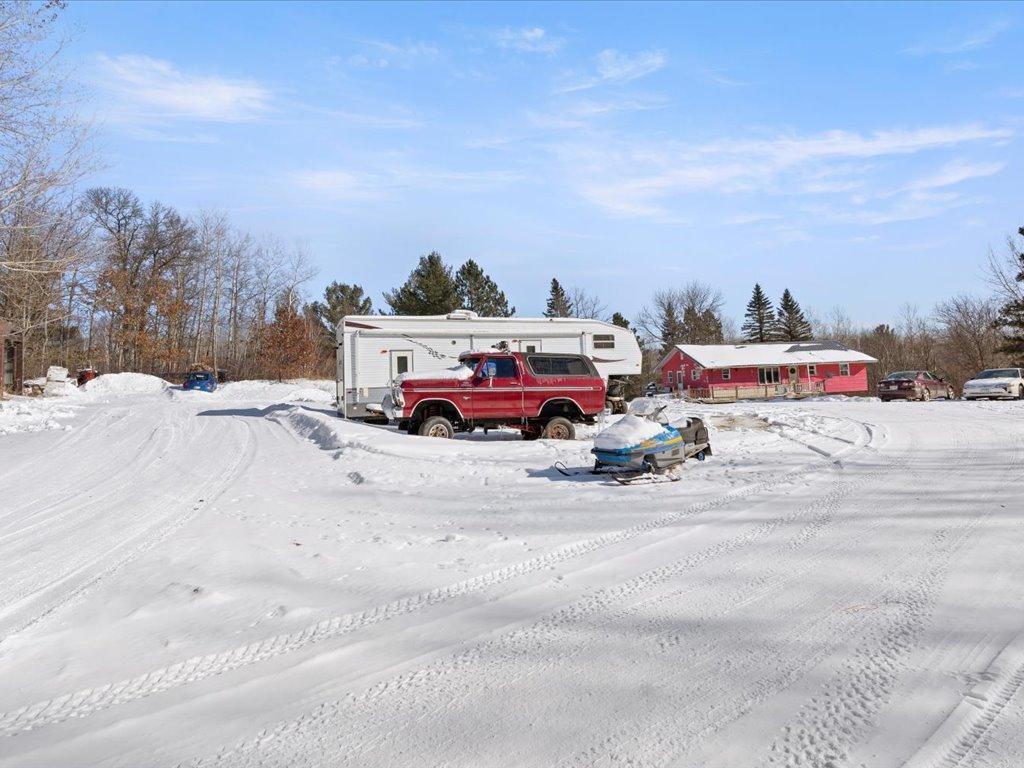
{"x": 462, "y": 314}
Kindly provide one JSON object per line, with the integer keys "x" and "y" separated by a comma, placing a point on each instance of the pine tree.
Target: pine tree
{"x": 340, "y": 299}
{"x": 701, "y": 327}
{"x": 759, "y": 324}
{"x": 430, "y": 289}
{"x": 792, "y": 325}
{"x": 558, "y": 301}
{"x": 288, "y": 346}
{"x": 671, "y": 330}
{"x": 478, "y": 292}
{"x": 1011, "y": 315}
{"x": 619, "y": 320}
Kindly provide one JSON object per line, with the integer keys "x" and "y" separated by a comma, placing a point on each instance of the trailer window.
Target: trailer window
{"x": 768, "y": 376}
{"x": 726, "y": 374}
{"x": 604, "y": 341}
{"x": 556, "y": 365}
{"x": 844, "y": 369}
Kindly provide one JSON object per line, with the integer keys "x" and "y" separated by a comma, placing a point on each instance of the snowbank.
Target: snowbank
{"x": 628, "y": 431}
{"x": 294, "y": 391}
{"x": 458, "y": 373}
{"x": 32, "y": 415}
{"x": 120, "y": 384}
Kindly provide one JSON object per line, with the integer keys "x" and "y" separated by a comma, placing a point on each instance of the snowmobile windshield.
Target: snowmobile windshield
{"x": 644, "y": 406}
{"x": 998, "y": 373}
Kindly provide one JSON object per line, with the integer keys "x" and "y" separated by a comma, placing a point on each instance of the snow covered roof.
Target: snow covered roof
{"x": 783, "y": 353}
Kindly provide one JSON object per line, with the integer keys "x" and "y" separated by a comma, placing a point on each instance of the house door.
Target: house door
{"x": 401, "y": 362}
{"x": 530, "y": 345}
{"x": 794, "y": 378}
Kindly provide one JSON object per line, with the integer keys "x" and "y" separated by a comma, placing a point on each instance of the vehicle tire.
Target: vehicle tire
{"x": 1020, "y": 392}
{"x": 926, "y": 395}
{"x": 559, "y": 428}
{"x": 413, "y": 427}
{"x": 437, "y": 426}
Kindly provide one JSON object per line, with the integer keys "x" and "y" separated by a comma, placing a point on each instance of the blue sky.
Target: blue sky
{"x": 863, "y": 155}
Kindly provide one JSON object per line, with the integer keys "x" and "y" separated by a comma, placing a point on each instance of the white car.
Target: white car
{"x": 996, "y": 382}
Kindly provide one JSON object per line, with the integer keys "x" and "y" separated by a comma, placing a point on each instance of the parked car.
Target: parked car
{"x": 540, "y": 394}
{"x": 996, "y": 383}
{"x": 914, "y": 385}
{"x": 204, "y": 381}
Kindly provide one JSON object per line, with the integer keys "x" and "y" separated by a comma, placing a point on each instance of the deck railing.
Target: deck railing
{"x": 730, "y": 393}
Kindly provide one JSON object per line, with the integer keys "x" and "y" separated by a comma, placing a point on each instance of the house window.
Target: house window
{"x": 768, "y": 376}
{"x": 670, "y": 375}
{"x": 604, "y": 341}
{"x": 695, "y": 374}
{"x": 844, "y": 369}
{"x": 812, "y": 370}
{"x": 726, "y": 374}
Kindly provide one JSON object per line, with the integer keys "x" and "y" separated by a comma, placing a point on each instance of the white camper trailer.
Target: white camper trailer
{"x": 374, "y": 349}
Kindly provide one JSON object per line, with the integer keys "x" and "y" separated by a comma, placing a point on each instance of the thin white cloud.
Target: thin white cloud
{"x": 973, "y": 41}
{"x": 382, "y": 54}
{"x": 144, "y": 90}
{"x": 528, "y": 40}
{"x": 1011, "y": 93}
{"x": 634, "y": 178}
{"x": 615, "y": 68}
{"x": 387, "y": 179}
{"x": 952, "y": 173}
{"x": 717, "y": 76}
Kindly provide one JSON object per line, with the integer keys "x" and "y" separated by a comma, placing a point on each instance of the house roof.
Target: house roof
{"x": 784, "y": 353}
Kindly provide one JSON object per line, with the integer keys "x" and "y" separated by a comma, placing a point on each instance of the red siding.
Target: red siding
{"x": 828, "y": 373}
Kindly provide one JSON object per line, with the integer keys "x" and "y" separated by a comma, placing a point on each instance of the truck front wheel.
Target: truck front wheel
{"x": 559, "y": 428}
{"x": 437, "y": 426}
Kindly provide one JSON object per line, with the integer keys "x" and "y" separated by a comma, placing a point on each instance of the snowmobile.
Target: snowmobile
{"x": 649, "y": 444}
{"x": 645, "y": 444}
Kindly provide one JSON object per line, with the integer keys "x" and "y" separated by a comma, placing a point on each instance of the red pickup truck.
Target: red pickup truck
{"x": 543, "y": 395}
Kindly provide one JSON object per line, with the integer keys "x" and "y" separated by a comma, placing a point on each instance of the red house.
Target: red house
{"x": 737, "y": 371}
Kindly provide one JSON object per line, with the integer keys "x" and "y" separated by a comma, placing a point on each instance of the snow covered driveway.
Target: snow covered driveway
{"x": 244, "y": 580}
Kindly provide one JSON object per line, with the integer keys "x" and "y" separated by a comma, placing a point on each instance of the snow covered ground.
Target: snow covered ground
{"x": 243, "y": 579}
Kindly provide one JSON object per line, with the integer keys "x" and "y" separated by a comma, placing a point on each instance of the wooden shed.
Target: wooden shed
{"x": 12, "y": 359}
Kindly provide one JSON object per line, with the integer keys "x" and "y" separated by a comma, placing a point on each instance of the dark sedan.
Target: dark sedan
{"x": 914, "y": 385}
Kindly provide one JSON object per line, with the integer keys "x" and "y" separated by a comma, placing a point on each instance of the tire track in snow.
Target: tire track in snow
{"x": 831, "y": 722}
{"x": 147, "y": 540}
{"x": 664, "y": 735}
{"x": 440, "y": 684}
{"x": 961, "y": 737}
{"x": 90, "y": 700}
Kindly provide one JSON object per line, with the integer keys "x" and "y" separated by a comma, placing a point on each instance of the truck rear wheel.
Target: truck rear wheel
{"x": 437, "y": 426}
{"x": 559, "y": 428}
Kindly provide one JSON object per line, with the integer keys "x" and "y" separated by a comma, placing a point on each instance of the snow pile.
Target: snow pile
{"x": 31, "y": 415}
{"x": 294, "y": 391}
{"x": 459, "y": 373}
{"x": 627, "y": 432}
{"x": 120, "y": 384}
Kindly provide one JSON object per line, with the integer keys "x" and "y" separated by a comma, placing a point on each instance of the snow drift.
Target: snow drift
{"x": 120, "y": 384}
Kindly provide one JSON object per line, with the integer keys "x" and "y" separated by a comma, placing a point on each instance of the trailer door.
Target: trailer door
{"x": 530, "y": 345}
{"x": 401, "y": 362}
